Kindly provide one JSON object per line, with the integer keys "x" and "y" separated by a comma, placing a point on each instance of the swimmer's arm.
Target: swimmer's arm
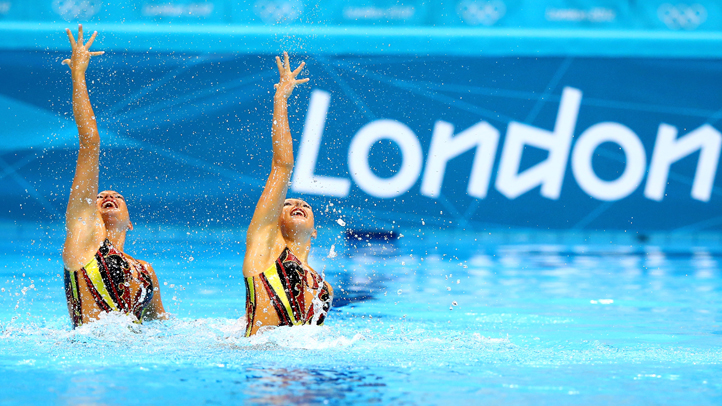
{"x": 84, "y": 226}
{"x": 263, "y": 230}
{"x": 155, "y": 310}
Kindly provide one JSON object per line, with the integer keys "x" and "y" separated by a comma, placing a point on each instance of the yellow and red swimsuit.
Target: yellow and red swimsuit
{"x": 286, "y": 294}
{"x": 108, "y": 277}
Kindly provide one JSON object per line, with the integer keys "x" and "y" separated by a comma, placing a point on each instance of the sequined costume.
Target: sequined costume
{"x": 286, "y": 294}
{"x": 108, "y": 277}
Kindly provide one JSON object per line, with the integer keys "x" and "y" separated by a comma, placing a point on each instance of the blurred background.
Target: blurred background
{"x": 703, "y": 15}
{"x": 592, "y": 118}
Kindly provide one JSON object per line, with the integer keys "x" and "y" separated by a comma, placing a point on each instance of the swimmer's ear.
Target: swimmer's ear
{"x": 314, "y": 233}
{"x": 130, "y": 225}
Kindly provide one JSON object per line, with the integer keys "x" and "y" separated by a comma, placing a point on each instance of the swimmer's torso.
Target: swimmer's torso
{"x": 286, "y": 294}
{"x": 111, "y": 281}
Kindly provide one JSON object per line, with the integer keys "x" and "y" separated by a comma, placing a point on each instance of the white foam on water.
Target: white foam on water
{"x": 298, "y": 337}
{"x": 117, "y": 339}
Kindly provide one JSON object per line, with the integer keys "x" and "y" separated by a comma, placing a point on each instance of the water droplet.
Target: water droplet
{"x": 341, "y": 222}
{"x": 398, "y": 291}
{"x": 454, "y": 303}
{"x": 190, "y": 259}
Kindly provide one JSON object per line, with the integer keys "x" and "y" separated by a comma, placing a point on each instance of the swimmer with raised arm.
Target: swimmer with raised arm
{"x": 281, "y": 289}
{"x": 99, "y": 276}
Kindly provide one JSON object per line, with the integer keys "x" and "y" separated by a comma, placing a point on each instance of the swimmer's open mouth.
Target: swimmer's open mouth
{"x": 110, "y": 205}
{"x": 298, "y": 212}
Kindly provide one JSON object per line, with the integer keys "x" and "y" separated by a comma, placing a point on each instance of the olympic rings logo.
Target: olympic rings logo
{"x": 682, "y": 16}
{"x": 278, "y": 11}
{"x": 479, "y": 12}
{"x": 76, "y": 9}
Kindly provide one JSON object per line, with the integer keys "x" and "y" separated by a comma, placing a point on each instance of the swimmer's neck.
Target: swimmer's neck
{"x": 300, "y": 249}
{"x": 116, "y": 237}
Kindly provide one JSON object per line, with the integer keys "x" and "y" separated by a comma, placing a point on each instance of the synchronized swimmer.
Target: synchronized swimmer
{"x": 99, "y": 276}
{"x": 281, "y": 288}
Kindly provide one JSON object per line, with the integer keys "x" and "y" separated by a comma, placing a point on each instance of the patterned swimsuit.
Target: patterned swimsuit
{"x": 286, "y": 294}
{"x": 108, "y": 277}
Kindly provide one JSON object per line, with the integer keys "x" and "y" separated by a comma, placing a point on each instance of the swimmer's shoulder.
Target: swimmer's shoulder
{"x": 148, "y": 267}
{"x": 144, "y": 264}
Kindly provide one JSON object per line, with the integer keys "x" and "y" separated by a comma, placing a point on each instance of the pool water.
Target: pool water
{"x": 430, "y": 319}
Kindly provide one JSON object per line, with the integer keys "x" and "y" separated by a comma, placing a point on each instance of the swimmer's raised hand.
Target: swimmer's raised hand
{"x": 288, "y": 80}
{"x": 78, "y": 62}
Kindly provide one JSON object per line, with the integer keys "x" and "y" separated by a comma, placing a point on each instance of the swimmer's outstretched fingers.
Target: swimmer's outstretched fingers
{"x": 288, "y": 79}
{"x": 81, "y": 53}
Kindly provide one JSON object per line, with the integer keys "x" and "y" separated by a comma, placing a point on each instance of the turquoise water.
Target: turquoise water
{"x": 430, "y": 319}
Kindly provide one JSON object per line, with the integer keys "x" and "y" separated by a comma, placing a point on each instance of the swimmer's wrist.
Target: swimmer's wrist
{"x": 78, "y": 74}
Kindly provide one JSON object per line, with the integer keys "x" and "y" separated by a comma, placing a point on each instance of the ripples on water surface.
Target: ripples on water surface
{"x": 430, "y": 321}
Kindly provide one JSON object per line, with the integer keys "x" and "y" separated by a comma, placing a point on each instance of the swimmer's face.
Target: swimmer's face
{"x": 112, "y": 208}
{"x": 297, "y": 217}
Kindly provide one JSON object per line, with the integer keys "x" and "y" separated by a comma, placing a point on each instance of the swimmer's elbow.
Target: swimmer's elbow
{"x": 283, "y": 164}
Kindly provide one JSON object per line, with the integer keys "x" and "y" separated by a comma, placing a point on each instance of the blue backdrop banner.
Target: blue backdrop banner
{"x": 703, "y": 15}
{"x": 472, "y": 142}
